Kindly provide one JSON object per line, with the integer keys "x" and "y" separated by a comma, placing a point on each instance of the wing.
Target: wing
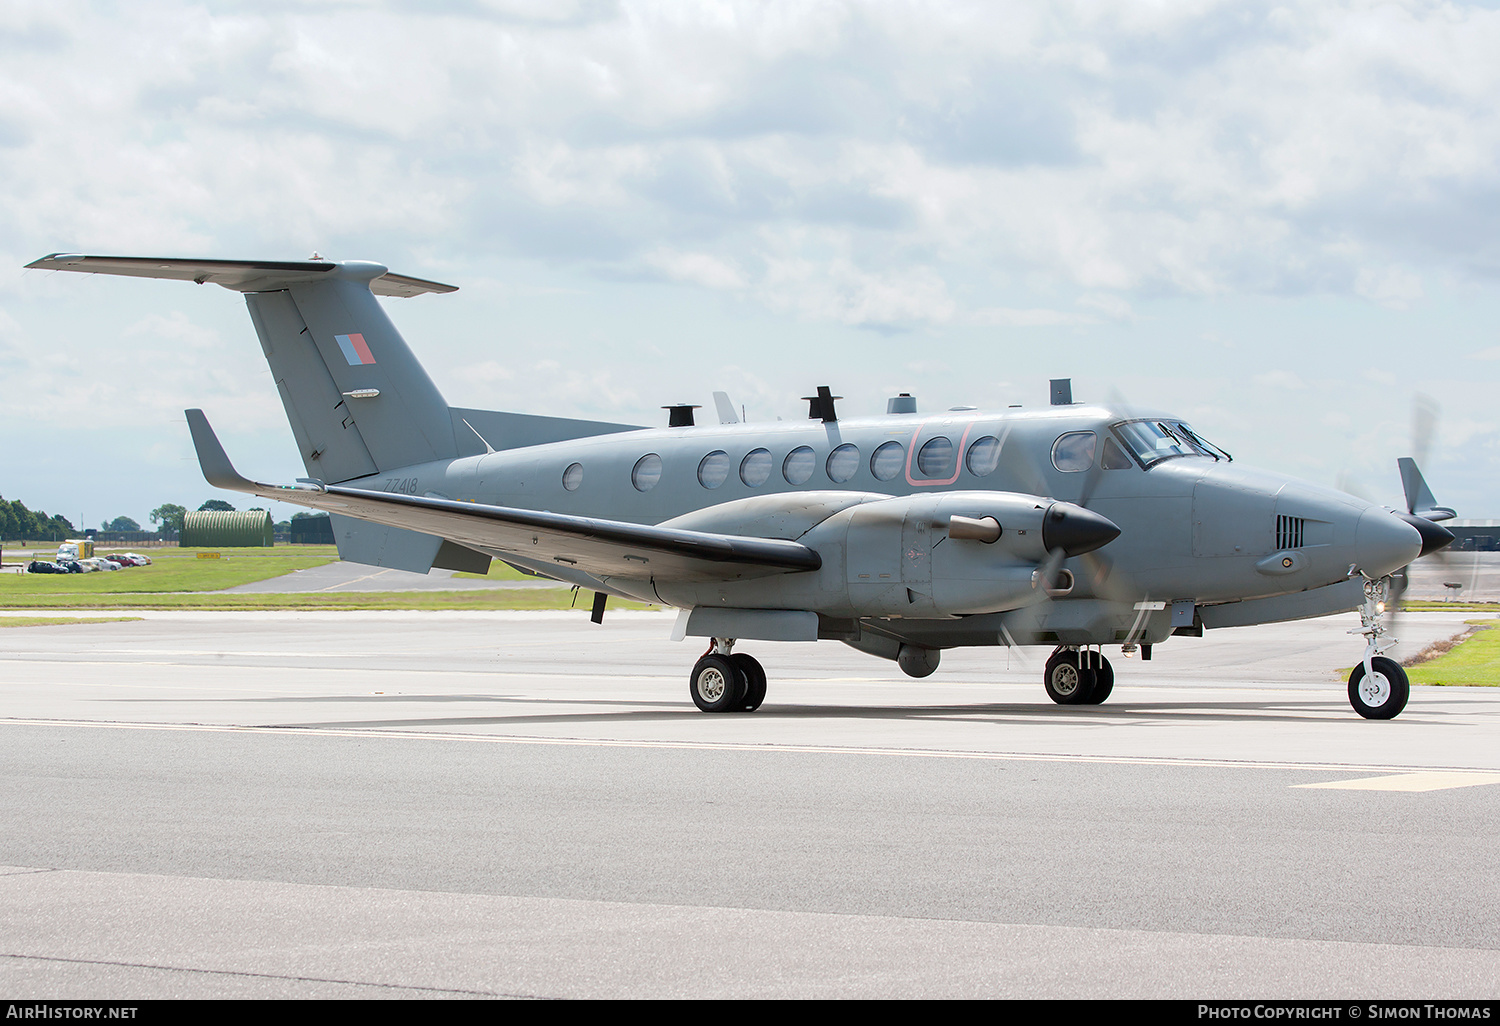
{"x": 603, "y": 548}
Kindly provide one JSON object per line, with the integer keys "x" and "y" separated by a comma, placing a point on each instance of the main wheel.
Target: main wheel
{"x": 717, "y": 685}
{"x": 755, "y": 680}
{"x": 1066, "y": 683}
{"x": 1382, "y": 694}
{"x": 1104, "y": 681}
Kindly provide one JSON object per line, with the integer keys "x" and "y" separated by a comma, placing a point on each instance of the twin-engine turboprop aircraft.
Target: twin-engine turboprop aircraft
{"x": 1075, "y": 525}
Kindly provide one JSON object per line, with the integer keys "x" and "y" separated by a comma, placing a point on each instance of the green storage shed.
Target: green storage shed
{"x": 220, "y": 529}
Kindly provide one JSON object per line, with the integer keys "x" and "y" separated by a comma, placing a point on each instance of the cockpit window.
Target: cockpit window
{"x": 1114, "y": 457}
{"x": 1208, "y": 448}
{"x": 1152, "y": 441}
{"x": 1074, "y": 451}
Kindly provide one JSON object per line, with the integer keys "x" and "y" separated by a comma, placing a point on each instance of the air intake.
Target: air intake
{"x": 1289, "y": 532}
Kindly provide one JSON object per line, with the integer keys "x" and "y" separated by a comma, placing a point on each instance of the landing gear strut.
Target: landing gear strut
{"x": 726, "y": 681}
{"x": 1378, "y": 688}
{"x": 1078, "y": 676}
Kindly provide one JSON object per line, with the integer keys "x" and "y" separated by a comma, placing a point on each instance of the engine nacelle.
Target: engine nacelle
{"x": 908, "y": 557}
{"x": 919, "y": 556}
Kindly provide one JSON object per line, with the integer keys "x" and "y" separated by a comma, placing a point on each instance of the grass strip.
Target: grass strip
{"x": 1451, "y": 607}
{"x": 1472, "y": 661}
{"x": 53, "y": 621}
{"x": 180, "y": 571}
{"x": 507, "y": 598}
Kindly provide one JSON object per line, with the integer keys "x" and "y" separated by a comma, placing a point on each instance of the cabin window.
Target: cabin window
{"x": 885, "y": 461}
{"x": 983, "y": 456}
{"x": 1074, "y": 451}
{"x": 755, "y": 468}
{"x": 573, "y": 476}
{"x": 843, "y": 462}
{"x": 714, "y": 469}
{"x": 798, "y": 465}
{"x": 647, "y": 472}
{"x": 935, "y": 459}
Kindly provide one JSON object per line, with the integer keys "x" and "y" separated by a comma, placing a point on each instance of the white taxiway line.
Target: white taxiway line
{"x": 1424, "y": 780}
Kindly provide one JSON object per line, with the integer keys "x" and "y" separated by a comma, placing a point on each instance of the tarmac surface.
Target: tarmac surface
{"x": 491, "y": 804}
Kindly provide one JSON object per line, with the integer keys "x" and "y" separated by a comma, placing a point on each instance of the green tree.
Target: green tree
{"x": 25, "y": 520}
{"x": 169, "y": 515}
{"x": 216, "y": 504}
{"x": 59, "y": 527}
{"x": 120, "y": 524}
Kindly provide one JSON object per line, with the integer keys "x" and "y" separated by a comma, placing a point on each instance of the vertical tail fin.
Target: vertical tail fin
{"x": 1419, "y": 498}
{"x": 358, "y": 400}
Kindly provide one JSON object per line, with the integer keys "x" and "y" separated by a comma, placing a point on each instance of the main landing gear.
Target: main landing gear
{"x": 725, "y": 681}
{"x": 1078, "y": 676}
{"x": 1378, "y": 688}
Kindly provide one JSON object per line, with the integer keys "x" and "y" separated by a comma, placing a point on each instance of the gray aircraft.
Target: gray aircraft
{"x": 1073, "y": 525}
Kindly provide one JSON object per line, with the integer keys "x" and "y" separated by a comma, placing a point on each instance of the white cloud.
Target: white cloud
{"x": 1143, "y": 176}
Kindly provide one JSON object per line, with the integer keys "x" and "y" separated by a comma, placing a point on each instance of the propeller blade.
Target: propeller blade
{"x": 1424, "y": 417}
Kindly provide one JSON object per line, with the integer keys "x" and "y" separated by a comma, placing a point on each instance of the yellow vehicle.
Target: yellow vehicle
{"x": 76, "y": 548}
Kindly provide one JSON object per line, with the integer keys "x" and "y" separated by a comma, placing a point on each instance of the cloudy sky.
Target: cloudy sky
{"x": 1281, "y": 221}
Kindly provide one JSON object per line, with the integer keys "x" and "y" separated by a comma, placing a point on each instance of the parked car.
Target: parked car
{"x": 41, "y": 566}
{"x": 72, "y": 566}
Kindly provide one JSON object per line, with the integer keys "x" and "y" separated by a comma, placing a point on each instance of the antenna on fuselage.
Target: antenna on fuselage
{"x": 820, "y": 406}
{"x": 1062, "y": 391}
{"x": 488, "y": 448}
{"x": 680, "y": 415}
{"x": 725, "y": 408}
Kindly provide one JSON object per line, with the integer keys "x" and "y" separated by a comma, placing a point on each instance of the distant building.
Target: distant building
{"x": 312, "y": 531}
{"x": 218, "y": 529}
{"x": 1475, "y": 535}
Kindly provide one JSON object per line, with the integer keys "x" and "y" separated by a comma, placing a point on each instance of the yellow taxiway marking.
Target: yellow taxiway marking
{"x": 1420, "y": 780}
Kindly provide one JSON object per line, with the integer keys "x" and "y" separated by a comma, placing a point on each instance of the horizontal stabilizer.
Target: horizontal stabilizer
{"x": 603, "y": 548}
{"x": 239, "y": 275}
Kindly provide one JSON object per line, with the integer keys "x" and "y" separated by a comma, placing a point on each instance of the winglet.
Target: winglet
{"x": 212, "y": 459}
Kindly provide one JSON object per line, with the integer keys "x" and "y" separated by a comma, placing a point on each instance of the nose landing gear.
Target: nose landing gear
{"x": 1378, "y": 687}
{"x": 726, "y": 681}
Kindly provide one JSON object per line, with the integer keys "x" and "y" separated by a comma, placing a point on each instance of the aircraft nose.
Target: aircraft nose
{"x": 1076, "y": 530}
{"x": 1383, "y": 543}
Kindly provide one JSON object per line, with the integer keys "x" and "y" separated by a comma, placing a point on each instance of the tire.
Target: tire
{"x": 1066, "y": 684}
{"x": 1104, "y": 681}
{"x": 755, "y": 680}
{"x": 716, "y": 684}
{"x": 1383, "y": 695}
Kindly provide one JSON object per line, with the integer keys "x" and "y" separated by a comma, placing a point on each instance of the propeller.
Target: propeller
{"x": 1422, "y": 510}
{"x": 1102, "y": 580}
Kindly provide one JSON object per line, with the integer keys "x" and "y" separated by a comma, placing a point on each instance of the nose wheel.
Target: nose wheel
{"x": 725, "y": 681}
{"x": 1378, "y": 687}
{"x": 1381, "y": 693}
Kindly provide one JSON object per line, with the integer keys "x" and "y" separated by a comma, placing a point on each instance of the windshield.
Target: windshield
{"x": 1152, "y": 441}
